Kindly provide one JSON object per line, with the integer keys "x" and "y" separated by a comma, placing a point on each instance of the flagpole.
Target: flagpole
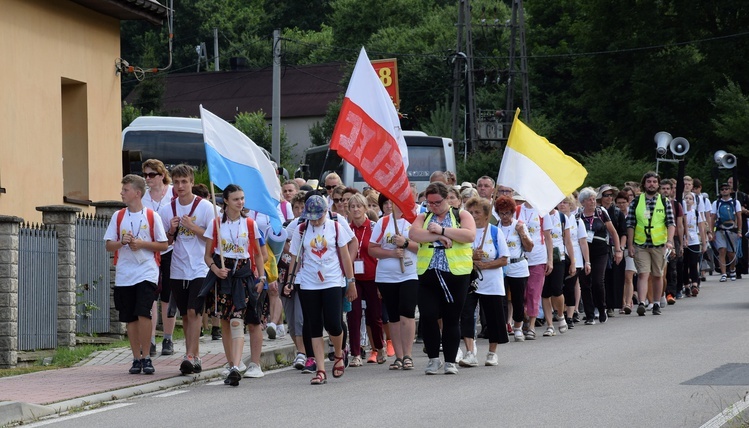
{"x": 218, "y": 226}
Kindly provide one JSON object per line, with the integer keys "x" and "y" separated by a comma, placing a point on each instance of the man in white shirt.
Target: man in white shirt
{"x": 137, "y": 250}
{"x": 185, "y": 220}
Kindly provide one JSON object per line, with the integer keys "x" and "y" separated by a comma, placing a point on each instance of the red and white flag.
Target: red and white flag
{"x": 369, "y": 137}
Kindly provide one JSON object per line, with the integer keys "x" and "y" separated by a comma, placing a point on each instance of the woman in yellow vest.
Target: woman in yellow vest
{"x": 444, "y": 264}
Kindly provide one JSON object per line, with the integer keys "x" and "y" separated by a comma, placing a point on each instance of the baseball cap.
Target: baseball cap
{"x": 314, "y": 208}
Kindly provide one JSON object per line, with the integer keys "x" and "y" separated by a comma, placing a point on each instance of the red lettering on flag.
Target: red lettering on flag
{"x": 373, "y": 151}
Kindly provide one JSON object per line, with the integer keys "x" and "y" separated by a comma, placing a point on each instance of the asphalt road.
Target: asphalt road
{"x": 679, "y": 369}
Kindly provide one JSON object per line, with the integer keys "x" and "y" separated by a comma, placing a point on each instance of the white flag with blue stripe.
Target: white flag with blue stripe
{"x": 233, "y": 158}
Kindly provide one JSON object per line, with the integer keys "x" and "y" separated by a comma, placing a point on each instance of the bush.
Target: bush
{"x": 614, "y": 165}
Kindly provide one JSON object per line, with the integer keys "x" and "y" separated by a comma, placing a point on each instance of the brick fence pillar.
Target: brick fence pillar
{"x": 9, "y": 227}
{"x": 107, "y": 209}
{"x": 62, "y": 218}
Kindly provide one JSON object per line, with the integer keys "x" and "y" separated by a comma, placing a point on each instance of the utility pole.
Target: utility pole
{"x": 276, "y": 108}
{"x": 215, "y": 49}
{"x": 462, "y": 61}
{"x": 517, "y": 27}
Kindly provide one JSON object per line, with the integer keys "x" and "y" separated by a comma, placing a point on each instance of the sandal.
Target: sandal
{"x": 338, "y": 370}
{"x": 549, "y": 332}
{"x": 397, "y": 364}
{"x": 382, "y": 356}
{"x": 320, "y": 378}
{"x": 530, "y": 335}
{"x": 408, "y": 363}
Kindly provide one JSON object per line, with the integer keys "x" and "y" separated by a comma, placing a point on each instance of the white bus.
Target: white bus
{"x": 172, "y": 140}
{"x": 426, "y": 154}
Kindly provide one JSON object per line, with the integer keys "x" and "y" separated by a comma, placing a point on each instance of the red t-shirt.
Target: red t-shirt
{"x": 363, "y": 233}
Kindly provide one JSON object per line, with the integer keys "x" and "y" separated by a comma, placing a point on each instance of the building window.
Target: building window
{"x": 74, "y": 109}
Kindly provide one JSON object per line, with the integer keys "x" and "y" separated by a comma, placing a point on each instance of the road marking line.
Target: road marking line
{"x": 80, "y": 415}
{"x": 169, "y": 394}
{"x": 726, "y": 415}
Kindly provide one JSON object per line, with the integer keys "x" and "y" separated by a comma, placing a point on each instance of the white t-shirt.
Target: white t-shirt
{"x": 693, "y": 218}
{"x": 234, "y": 238}
{"x": 134, "y": 267}
{"x": 188, "y": 261}
{"x": 577, "y": 232}
{"x": 320, "y": 267}
{"x": 515, "y": 247}
{"x": 529, "y": 217}
{"x": 492, "y": 282}
{"x": 389, "y": 269}
{"x": 148, "y": 202}
{"x": 557, "y": 236}
{"x": 285, "y": 211}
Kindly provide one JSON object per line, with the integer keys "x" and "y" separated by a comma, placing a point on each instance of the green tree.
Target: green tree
{"x": 257, "y": 128}
{"x": 731, "y": 121}
{"x": 613, "y": 165}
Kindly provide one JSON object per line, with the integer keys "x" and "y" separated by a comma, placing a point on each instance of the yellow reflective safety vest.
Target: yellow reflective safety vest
{"x": 459, "y": 257}
{"x": 650, "y": 224}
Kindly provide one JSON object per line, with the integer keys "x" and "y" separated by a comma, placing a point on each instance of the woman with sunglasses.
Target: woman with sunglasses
{"x": 444, "y": 264}
{"x": 160, "y": 192}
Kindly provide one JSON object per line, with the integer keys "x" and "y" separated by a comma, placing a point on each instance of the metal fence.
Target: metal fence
{"x": 91, "y": 275}
{"x": 37, "y": 287}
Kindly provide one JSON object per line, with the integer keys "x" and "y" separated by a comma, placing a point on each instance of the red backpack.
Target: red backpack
{"x": 150, "y": 217}
{"x": 250, "y": 236}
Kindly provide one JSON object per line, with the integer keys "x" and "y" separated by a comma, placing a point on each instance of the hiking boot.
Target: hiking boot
{"x": 147, "y": 366}
{"x": 167, "y": 347}
{"x": 137, "y": 367}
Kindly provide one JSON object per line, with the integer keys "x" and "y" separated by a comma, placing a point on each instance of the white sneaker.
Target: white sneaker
{"x": 459, "y": 355}
{"x": 491, "y": 359}
{"x": 433, "y": 366}
{"x": 281, "y": 331}
{"x": 225, "y": 371}
{"x": 299, "y": 361}
{"x": 663, "y": 301}
{"x": 468, "y": 361}
{"x": 451, "y": 368}
{"x": 254, "y": 371}
{"x": 271, "y": 330}
{"x": 475, "y": 347}
{"x": 518, "y": 333}
{"x": 650, "y": 307}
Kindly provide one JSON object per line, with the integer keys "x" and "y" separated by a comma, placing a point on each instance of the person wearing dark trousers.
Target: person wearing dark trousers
{"x": 614, "y": 279}
{"x": 742, "y": 264}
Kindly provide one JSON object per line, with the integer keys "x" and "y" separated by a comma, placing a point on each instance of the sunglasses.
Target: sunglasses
{"x": 330, "y": 187}
{"x": 150, "y": 174}
{"x": 607, "y": 195}
{"x": 337, "y": 200}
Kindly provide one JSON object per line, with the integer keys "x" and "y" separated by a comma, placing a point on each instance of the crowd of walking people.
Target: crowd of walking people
{"x": 478, "y": 261}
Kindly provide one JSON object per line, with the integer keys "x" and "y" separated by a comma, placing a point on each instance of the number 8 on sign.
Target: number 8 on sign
{"x": 386, "y": 76}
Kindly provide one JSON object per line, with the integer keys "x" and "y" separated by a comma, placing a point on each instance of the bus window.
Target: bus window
{"x": 170, "y": 147}
{"x": 315, "y": 158}
{"x": 422, "y": 161}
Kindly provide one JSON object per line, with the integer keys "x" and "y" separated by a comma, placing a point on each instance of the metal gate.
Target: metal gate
{"x": 91, "y": 275}
{"x": 37, "y": 287}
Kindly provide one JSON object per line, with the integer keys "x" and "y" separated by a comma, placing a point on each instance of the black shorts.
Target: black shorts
{"x": 554, "y": 282}
{"x": 185, "y": 294}
{"x": 134, "y": 301}
{"x": 164, "y": 281}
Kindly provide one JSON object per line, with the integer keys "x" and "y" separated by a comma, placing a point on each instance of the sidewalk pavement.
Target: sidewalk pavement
{"x": 104, "y": 377}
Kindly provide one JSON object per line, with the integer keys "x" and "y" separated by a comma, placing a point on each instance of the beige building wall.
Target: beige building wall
{"x": 59, "y": 106}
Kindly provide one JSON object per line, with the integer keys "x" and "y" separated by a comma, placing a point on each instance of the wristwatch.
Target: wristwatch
{"x": 350, "y": 281}
{"x": 405, "y": 244}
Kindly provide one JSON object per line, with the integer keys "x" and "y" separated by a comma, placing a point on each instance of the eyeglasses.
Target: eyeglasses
{"x": 330, "y": 187}
{"x": 607, "y": 195}
{"x": 505, "y": 213}
{"x": 337, "y": 200}
{"x": 435, "y": 203}
{"x": 150, "y": 174}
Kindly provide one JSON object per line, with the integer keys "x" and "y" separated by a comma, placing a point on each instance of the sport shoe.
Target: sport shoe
{"x": 254, "y": 371}
{"x": 732, "y": 275}
{"x": 310, "y": 366}
{"x": 695, "y": 290}
{"x": 649, "y": 307}
{"x": 186, "y": 367}
{"x": 519, "y": 336}
{"x": 147, "y": 366}
{"x": 562, "y": 326}
{"x": 656, "y": 309}
{"x": 280, "y": 331}
{"x": 372, "y": 357}
{"x": 459, "y": 355}
{"x": 491, "y": 359}
{"x": 233, "y": 377}
{"x": 469, "y": 360}
{"x": 299, "y": 361}
{"x": 670, "y": 299}
{"x": 590, "y": 321}
{"x": 197, "y": 365}
{"x": 390, "y": 349}
{"x": 603, "y": 316}
{"x": 576, "y": 317}
{"x": 152, "y": 352}
{"x": 641, "y": 310}
{"x": 167, "y": 347}
{"x": 433, "y": 366}
{"x": 215, "y": 333}
{"x": 356, "y": 361}
{"x": 271, "y": 330}
{"x": 452, "y": 368}
{"x": 570, "y": 324}
{"x": 227, "y": 369}
{"x": 723, "y": 278}
{"x": 137, "y": 367}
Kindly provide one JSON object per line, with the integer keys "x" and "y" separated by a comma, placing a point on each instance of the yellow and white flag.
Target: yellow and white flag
{"x": 537, "y": 169}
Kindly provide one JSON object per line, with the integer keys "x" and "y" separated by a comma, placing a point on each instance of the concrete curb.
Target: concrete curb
{"x": 14, "y": 412}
